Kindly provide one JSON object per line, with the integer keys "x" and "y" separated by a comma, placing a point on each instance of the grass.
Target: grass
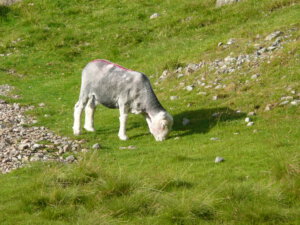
{"x": 176, "y": 181}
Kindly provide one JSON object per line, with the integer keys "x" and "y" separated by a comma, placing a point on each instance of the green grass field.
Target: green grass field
{"x": 48, "y": 43}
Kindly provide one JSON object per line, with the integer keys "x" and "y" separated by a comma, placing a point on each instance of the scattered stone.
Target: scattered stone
{"x": 20, "y": 144}
{"x": 96, "y": 146}
{"x": 255, "y": 76}
{"x": 219, "y": 159}
{"x": 130, "y": 147}
{"x": 70, "y": 158}
{"x": 214, "y": 139}
{"x": 215, "y": 98}
{"x": 42, "y": 104}
{"x": 172, "y": 98}
{"x": 220, "y": 44}
{"x": 288, "y": 98}
{"x": 202, "y": 93}
{"x": 189, "y": 87}
{"x": 250, "y": 124}
{"x": 284, "y": 103}
{"x": 154, "y": 16}
{"x": 180, "y": 75}
{"x": 295, "y": 102}
{"x": 268, "y": 107}
{"x": 273, "y": 35}
{"x": 251, "y": 114}
{"x": 185, "y": 121}
{"x": 220, "y": 3}
{"x": 192, "y": 67}
{"x": 247, "y": 119}
{"x": 231, "y": 41}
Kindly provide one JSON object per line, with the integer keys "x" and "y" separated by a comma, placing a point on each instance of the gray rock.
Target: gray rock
{"x": 219, "y": 159}
{"x": 70, "y": 158}
{"x": 185, "y": 121}
{"x": 96, "y": 146}
{"x": 284, "y": 103}
{"x": 255, "y": 76}
{"x": 250, "y": 124}
{"x": 189, "y": 87}
{"x": 220, "y": 3}
{"x": 295, "y": 102}
{"x": 214, "y": 139}
{"x": 154, "y": 16}
{"x": 247, "y": 119}
{"x": 273, "y": 35}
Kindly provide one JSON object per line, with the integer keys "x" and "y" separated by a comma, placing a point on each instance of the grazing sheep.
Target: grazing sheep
{"x": 114, "y": 86}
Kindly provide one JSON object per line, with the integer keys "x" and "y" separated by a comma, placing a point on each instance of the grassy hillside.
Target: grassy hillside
{"x": 45, "y": 44}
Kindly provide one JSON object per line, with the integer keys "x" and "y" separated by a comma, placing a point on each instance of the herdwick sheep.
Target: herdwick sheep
{"x": 114, "y": 86}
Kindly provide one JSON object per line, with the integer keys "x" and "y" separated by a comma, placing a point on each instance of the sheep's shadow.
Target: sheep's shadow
{"x": 202, "y": 120}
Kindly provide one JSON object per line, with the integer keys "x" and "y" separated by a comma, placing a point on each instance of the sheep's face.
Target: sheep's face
{"x": 161, "y": 126}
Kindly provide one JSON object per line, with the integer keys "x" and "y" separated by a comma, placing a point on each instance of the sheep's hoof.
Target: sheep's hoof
{"x": 76, "y": 132}
{"x": 90, "y": 129}
{"x": 123, "y": 137}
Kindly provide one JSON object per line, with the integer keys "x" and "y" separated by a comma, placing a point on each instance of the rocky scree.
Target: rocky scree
{"x": 20, "y": 142}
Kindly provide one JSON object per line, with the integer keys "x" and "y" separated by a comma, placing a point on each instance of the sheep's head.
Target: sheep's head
{"x": 161, "y": 126}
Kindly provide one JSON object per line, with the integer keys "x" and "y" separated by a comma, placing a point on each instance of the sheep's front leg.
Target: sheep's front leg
{"x": 77, "y": 113}
{"x": 123, "y": 119}
{"x": 89, "y": 114}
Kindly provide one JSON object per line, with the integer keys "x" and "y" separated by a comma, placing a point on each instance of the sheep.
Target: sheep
{"x": 114, "y": 86}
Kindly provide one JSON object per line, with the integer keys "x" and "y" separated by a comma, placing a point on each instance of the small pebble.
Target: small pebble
{"x": 96, "y": 146}
{"x": 219, "y": 159}
{"x": 247, "y": 119}
{"x": 214, "y": 139}
{"x": 250, "y": 124}
{"x": 185, "y": 121}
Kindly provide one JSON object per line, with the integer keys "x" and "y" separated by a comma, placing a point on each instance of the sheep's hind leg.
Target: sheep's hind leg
{"x": 89, "y": 114}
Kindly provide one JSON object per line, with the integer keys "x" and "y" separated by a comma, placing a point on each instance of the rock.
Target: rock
{"x": 286, "y": 98}
{"x": 220, "y": 3}
{"x": 214, "y": 139}
{"x": 131, "y": 147}
{"x": 284, "y": 103}
{"x": 247, "y": 119}
{"x": 215, "y": 98}
{"x": 251, "y": 114}
{"x": 42, "y": 104}
{"x": 192, "y": 67}
{"x": 185, "y": 121}
{"x": 220, "y": 44}
{"x": 255, "y": 76}
{"x": 70, "y": 158}
{"x": 295, "y": 102}
{"x": 180, "y": 75}
{"x": 189, "y": 87}
{"x": 172, "y": 98}
{"x": 219, "y": 159}
{"x": 202, "y": 93}
{"x": 96, "y": 146}
{"x": 231, "y": 41}
{"x": 268, "y": 107}
{"x": 250, "y": 124}
{"x": 154, "y": 16}
{"x": 273, "y": 35}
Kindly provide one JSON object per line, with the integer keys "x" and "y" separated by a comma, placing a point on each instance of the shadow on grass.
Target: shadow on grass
{"x": 202, "y": 120}
{"x": 4, "y": 10}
